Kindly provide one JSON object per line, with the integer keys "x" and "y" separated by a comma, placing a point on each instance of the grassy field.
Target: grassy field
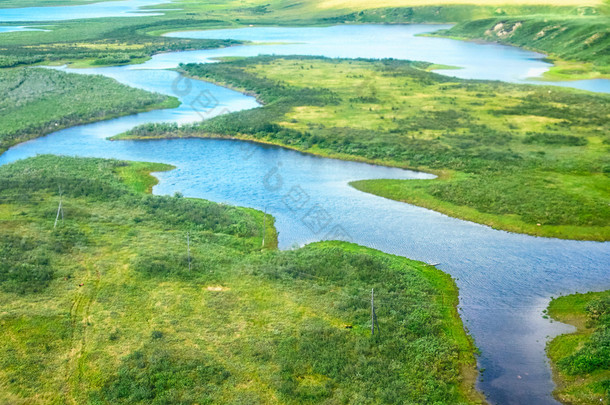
{"x": 104, "y": 308}
{"x": 111, "y": 41}
{"x": 581, "y": 360}
{"x": 312, "y": 12}
{"x": 101, "y": 42}
{"x": 36, "y": 102}
{"x": 521, "y": 158}
{"x": 363, "y": 4}
{"x": 585, "y": 40}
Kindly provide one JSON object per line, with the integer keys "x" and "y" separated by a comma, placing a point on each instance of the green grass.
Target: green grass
{"x": 509, "y": 156}
{"x": 103, "y": 309}
{"x": 386, "y": 11}
{"x": 36, "y": 102}
{"x": 581, "y": 360}
{"x": 101, "y": 42}
{"x": 112, "y": 41}
{"x": 583, "y": 40}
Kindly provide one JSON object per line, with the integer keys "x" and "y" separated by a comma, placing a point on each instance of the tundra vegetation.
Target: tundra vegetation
{"x": 574, "y": 33}
{"x": 522, "y": 158}
{"x": 581, "y": 360}
{"x": 38, "y": 101}
{"x": 580, "y": 45}
{"x": 103, "y": 309}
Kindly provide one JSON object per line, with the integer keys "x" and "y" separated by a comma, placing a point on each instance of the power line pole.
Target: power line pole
{"x": 188, "y": 248}
{"x": 373, "y": 314}
{"x": 59, "y": 209}
{"x": 264, "y": 225}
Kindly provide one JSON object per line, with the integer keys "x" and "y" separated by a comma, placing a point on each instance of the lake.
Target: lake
{"x": 17, "y": 28}
{"x": 121, "y": 8}
{"x": 505, "y": 279}
{"x": 476, "y": 60}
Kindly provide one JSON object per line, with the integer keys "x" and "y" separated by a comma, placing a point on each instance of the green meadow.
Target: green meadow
{"x": 100, "y": 42}
{"x": 103, "y": 303}
{"x": 101, "y": 307}
{"x": 580, "y": 45}
{"x": 581, "y": 360}
{"x": 36, "y": 102}
{"x": 574, "y": 34}
{"x": 529, "y": 159}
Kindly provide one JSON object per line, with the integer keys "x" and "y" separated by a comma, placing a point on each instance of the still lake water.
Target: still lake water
{"x": 17, "y": 28}
{"x": 122, "y": 8}
{"x": 476, "y": 60}
{"x": 505, "y": 279}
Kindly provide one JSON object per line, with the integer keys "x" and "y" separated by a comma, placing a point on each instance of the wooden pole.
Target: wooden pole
{"x": 372, "y": 312}
{"x": 264, "y": 226}
{"x": 376, "y": 323}
{"x": 59, "y": 209}
{"x": 188, "y": 248}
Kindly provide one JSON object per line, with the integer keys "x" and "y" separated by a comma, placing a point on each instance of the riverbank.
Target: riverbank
{"x": 542, "y": 177}
{"x": 577, "y": 45}
{"x": 222, "y": 317}
{"x": 416, "y": 192}
{"x": 580, "y": 360}
{"x": 40, "y": 101}
{"x": 119, "y": 41}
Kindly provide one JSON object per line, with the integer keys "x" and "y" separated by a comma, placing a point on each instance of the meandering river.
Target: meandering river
{"x": 505, "y": 279}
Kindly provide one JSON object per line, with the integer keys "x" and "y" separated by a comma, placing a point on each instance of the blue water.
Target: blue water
{"x": 476, "y": 60}
{"x": 125, "y": 8}
{"x": 505, "y": 279}
{"x": 18, "y": 28}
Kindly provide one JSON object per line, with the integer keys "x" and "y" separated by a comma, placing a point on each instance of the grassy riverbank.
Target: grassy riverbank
{"x": 573, "y": 33}
{"x": 584, "y": 40}
{"x": 113, "y": 41}
{"x": 527, "y": 159}
{"x": 104, "y": 309}
{"x": 36, "y": 102}
{"x": 103, "y": 41}
{"x": 581, "y": 360}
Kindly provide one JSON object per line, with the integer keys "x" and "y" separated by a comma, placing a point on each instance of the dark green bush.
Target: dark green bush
{"x": 595, "y": 355}
{"x": 157, "y": 376}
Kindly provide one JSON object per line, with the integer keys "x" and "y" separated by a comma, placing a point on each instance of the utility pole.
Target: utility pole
{"x": 373, "y": 314}
{"x": 264, "y": 225}
{"x": 188, "y": 248}
{"x": 59, "y": 209}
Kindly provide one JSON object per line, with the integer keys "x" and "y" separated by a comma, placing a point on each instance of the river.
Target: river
{"x": 505, "y": 279}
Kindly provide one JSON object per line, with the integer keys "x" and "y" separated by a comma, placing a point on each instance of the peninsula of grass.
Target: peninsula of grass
{"x": 581, "y": 360}
{"x": 36, "y": 102}
{"x": 102, "y": 307}
{"x": 102, "y": 42}
{"x": 521, "y": 158}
